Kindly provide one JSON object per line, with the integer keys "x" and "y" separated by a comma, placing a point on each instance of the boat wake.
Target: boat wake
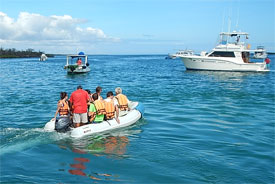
{"x": 18, "y": 139}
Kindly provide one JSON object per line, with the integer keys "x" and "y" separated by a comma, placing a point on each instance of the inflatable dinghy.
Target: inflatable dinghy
{"x": 136, "y": 112}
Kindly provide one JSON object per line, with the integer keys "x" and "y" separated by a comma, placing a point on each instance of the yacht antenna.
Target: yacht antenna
{"x": 229, "y": 18}
{"x": 229, "y": 27}
{"x": 238, "y": 16}
{"x": 223, "y": 19}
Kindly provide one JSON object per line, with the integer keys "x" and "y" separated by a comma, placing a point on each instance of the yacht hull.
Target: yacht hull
{"x": 204, "y": 63}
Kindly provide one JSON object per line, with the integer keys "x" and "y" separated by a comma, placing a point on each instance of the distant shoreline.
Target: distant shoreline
{"x": 13, "y": 53}
{"x": 10, "y": 57}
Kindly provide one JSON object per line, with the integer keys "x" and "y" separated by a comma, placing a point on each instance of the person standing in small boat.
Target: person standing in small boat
{"x": 79, "y": 100}
{"x": 122, "y": 101}
{"x": 79, "y": 61}
{"x": 267, "y": 61}
{"x": 97, "y": 109}
{"x": 63, "y": 108}
{"x": 111, "y": 107}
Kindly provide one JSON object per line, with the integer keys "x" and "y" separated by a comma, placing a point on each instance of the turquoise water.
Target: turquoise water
{"x": 198, "y": 127}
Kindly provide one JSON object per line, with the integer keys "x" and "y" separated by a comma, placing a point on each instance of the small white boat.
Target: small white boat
{"x": 170, "y": 56}
{"x": 231, "y": 54}
{"x": 260, "y": 53}
{"x": 180, "y": 53}
{"x": 136, "y": 112}
{"x": 77, "y": 64}
{"x": 43, "y": 57}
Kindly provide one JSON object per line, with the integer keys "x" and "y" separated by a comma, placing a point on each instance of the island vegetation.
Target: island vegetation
{"x": 13, "y": 53}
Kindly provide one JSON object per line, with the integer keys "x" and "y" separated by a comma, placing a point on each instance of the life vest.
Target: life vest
{"x": 100, "y": 107}
{"x": 110, "y": 110}
{"x": 64, "y": 110}
{"x": 122, "y": 101}
{"x": 92, "y": 117}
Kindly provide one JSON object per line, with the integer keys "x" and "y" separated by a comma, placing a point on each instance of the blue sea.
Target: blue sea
{"x": 198, "y": 126}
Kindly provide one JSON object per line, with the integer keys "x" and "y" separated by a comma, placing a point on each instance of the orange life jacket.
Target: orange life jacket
{"x": 122, "y": 101}
{"x": 110, "y": 110}
{"x": 64, "y": 110}
{"x": 100, "y": 107}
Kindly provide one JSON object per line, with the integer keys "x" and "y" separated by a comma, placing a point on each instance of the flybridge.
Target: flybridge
{"x": 234, "y": 33}
{"x": 236, "y": 38}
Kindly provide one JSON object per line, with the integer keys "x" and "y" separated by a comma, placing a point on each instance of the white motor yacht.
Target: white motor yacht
{"x": 231, "y": 54}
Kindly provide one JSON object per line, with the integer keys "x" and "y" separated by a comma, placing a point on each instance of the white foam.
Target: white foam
{"x": 17, "y": 139}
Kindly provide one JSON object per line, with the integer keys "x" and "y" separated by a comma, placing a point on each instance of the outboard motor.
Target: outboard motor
{"x": 62, "y": 124}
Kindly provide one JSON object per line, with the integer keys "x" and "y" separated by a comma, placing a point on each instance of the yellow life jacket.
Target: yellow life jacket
{"x": 110, "y": 110}
{"x": 122, "y": 101}
{"x": 64, "y": 110}
{"x": 100, "y": 107}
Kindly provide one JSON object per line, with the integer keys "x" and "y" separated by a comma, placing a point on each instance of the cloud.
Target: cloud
{"x": 35, "y": 29}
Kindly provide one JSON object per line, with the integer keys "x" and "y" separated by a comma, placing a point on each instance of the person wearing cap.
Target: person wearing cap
{"x": 122, "y": 101}
{"x": 79, "y": 100}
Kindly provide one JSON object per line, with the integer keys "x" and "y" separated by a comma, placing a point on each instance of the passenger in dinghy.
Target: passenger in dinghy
{"x": 98, "y": 90}
{"x": 79, "y": 100}
{"x": 90, "y": 96}
{"x": 111, "y": 107}
{"x": 97, "y": 110}
{"x": 122, "y": 101}
{"x": 63, "y": 122}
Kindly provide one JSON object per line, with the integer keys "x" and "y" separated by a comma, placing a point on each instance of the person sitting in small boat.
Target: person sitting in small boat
{"x": 122, "y": 101}
{"x": 97, "y": 110}
{"x": 63, "y": 108}
{"x": 98, "y": 90}
{"x": 111, "y": 108}
{"x": 79, "y": 62}
{"x": 91, "y": 99}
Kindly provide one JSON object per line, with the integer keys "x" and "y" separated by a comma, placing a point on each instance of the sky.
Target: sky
{"x": 132, "y": 26}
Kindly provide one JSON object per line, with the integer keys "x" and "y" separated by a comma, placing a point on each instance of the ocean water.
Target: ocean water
{"x": 198, "y": 127}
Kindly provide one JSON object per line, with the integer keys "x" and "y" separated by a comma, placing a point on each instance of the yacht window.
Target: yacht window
{"x": 222, "y": 54}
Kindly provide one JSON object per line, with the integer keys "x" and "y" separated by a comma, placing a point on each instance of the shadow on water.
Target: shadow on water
{"x": 111, "y": 145}
{"x": 108, "y": 145}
